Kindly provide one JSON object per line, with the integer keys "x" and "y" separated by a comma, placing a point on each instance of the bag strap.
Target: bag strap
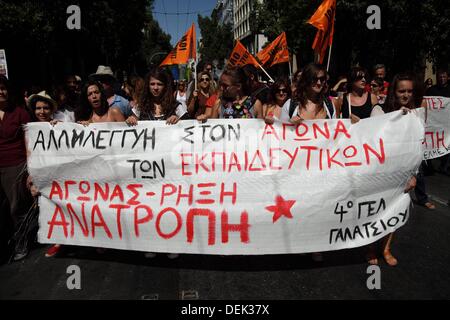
{"x": 292, "y": 107}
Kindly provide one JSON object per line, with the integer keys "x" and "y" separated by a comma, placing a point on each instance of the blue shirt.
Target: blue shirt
{"x": 121, "y": 103}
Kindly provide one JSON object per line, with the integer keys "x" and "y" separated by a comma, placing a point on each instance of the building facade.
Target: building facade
{"x": 241, "y": 27}
{"x": 225, "y": 11}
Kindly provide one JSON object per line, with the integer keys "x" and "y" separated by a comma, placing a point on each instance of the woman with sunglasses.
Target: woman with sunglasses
{"x": 181, "y": 93}
{"x": 376, "y": 88}
{"x": 234, "y": 101}
{"x": 358, "y": 103}
{"x": 198, "y": 99}
{"x": 310, "y": 101}
{"x": 280, "y": 92}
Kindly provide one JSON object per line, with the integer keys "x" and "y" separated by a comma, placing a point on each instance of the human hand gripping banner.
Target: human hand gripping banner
{"x": 226, "y": 186}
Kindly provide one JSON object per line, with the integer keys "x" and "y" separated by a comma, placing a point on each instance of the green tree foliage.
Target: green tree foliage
{"x": 217, "y": 40}
{"x": 411, "y": 31}
{"x": 41, "y": 49}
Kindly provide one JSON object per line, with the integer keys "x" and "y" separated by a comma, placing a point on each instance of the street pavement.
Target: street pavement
{"x": 421, "y": 246}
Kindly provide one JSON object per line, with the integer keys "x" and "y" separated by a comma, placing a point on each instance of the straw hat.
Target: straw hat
{"x": 42, "y": 96}
{"x": 103, "y": 72}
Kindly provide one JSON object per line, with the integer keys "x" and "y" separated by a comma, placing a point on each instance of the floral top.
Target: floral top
{"x": 233, "y": 110}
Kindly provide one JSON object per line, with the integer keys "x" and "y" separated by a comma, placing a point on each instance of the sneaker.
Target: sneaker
{"x": 317, "y": 257}
{"x": 53, "y": 250}
{"x": 149, "y": 255}
{"x": 172, "y": 255}
{"x": 19, "y": 255}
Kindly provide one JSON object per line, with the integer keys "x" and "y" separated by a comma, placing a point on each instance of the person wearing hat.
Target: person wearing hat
{"x": 106, "y": 77}
{"x": 43, "y": 107}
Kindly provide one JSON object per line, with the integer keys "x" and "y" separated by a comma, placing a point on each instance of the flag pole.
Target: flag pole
{"x": 329, "y": 56}
{"x": 265, "y": 71}
{"x": 290, "y": 69}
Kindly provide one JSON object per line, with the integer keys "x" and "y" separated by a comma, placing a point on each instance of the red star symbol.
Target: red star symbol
{"x": 281, "y": 208}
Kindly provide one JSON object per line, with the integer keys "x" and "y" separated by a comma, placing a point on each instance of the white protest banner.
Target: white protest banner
{"x": 225, "y": 186}
{"x": 437, "y": 127}
{"x": 3, "y": 64}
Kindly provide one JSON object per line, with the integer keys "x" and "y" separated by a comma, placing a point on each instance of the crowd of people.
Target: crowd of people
{"x": 238, "y": 94}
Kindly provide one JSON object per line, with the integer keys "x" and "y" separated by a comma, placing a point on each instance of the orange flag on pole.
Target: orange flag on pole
{"x": 240, "y": 56}
{"x": 276, "y": 52}
{"x": 185, "y": 49}
{"x": 323, "y": 20}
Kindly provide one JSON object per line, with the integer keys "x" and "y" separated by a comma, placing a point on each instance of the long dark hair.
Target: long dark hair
{"x": 167, "y": 99}
{"x": 238, "y": 77}
{"x": 84, "y": 111}
{"x": 391, "y": 103}
{"x": 274, "y": 89}
{"x": 352, "y": 77}
{"x": 306, "y": 80}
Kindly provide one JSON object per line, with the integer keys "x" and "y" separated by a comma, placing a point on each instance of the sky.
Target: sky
{"x": 177, "y": 25}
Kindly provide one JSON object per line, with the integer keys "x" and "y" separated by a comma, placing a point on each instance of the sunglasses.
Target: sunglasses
{"x": 322, "y": 79}
{"x": 374, "y": 85}
{"x": 360, "y": 77}
{"x": 205, "y": 80}
{"x": 281, "y": 91}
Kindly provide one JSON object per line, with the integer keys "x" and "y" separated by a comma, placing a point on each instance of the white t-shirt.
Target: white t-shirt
{"x": 64, "y": 116}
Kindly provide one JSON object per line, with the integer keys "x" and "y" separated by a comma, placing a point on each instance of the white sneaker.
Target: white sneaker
{"x": 172, "y": 255}
{"x": 149, "y": 255}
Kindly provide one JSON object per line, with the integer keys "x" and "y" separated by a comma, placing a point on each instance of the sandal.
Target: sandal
{"x": 429, "y": 205}
{"x": 390, "y": 259}
{"x": 371, "y": 258}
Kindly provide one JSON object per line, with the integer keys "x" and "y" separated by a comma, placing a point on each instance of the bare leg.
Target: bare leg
{"x": 390, "y": 259}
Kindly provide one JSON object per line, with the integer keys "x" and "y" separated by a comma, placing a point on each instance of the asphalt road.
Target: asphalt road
{"x": 422, "y": 248}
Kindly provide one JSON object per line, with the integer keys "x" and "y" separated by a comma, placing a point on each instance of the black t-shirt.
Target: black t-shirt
{"x": 261, "y": 93}
{"x": 438, "y": 91}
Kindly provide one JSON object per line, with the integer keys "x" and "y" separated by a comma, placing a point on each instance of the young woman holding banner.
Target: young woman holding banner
{"x": 158, "y": 101}
{"x": 94, "y": 107}
{"x": 309, "y": 103}
{"x": 280, "y": 92}
{"x": 43, "y": 108}
{"x": 234, "y": 100}
{"x": 403, "y": 94}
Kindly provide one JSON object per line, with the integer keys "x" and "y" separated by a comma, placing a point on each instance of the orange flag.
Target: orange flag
{"x": 240, "y": 56}
{"x": 184, "y": 50}
{"x": 276, "y": 52}
{"x": 323, "y": 20}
